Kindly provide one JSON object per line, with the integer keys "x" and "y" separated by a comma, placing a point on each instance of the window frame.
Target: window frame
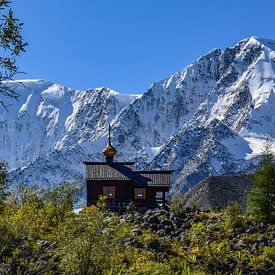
{"x": 159, "y": 195}
{"x": 143, "y": 190}
{"x": 113, "y": 188}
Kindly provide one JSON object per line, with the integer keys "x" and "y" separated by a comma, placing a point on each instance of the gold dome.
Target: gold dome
{"x": 109, "y": 151}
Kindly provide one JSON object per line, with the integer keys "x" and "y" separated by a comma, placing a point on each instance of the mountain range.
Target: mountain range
{"x": 211, "y": 118}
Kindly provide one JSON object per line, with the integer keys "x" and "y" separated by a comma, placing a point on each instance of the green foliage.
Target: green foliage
{"x": 233, "y": 217}
{"x": 177, "y": 204}
{"x": 258, "y": 261}
{"x": 269, "y": 254}
{"x": 86, "y": 240}
{"x": 11, "y": 45}
{"x": 261, "y": 199}
{"x": 216, "y": 209}
{"x": 30, "y": 215}
{"x": 36, "y": 212}
{"x": 155, "y": 268}
{"x": 209, "y": 249}
{"x": 91, "y": 242}
{"x": 208, "y": 215}
{"x": 4, "y": 183}
{"x": 40, "y": 234}
{"x": 193, "y": 207}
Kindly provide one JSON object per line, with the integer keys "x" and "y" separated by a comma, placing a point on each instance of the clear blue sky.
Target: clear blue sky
{"x": 128, "y": 44}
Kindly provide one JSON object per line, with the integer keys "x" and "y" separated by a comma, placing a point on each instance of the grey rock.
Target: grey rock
{"x": 166, "y": 222}
{"x": 130, "y": 241}
{"x": 242, "y": 243}
{"x": 153, "y": 227}
{"x": 161, "y": 226}
{"x": 251, "y": 230}
{"x": 154, "y": 244}
{"x": 153, "y": 219}
{"x": 168, "y": 228}
{"x": 162, "y": 232}
{"x": 262, "y": 239}
{"x": 137, "y": 232}
{"x": 218, "y": 191}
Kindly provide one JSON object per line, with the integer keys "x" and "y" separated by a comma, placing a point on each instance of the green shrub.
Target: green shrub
{"x": 233, "y": 217}
{"x": 4, "y": 183}
{"x": 40, "y": 234}
{"x": 269, "y": 254}
{"x": 258, "y": 262}
{"x": 177, "y": 204}
{"x": 154, "y": 268}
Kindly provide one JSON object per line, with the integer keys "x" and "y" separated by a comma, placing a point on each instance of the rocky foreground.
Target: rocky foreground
{"x": 175, "y": 242}
{"x": 199, "y": 231}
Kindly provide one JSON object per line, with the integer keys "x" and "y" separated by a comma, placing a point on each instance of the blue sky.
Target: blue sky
{"x": 128, "y": 44}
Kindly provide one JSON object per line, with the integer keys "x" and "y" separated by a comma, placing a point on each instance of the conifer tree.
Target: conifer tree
{"x": 261, "y": 199}
{"x": 4, "y": 183}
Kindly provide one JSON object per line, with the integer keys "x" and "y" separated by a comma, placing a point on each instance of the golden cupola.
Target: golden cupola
{"x": 109, "y": 151}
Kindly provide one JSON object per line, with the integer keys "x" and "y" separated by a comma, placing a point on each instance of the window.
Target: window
{"x": 159, "y": 195}
{"x": 109, "y": 192}
{"x": 140, "y": 193}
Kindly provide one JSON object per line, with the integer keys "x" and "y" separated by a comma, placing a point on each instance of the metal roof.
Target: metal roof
{"x": 156, "y": 178}
{"x": 109, "y": 171}
{"x": 123, "y": 171}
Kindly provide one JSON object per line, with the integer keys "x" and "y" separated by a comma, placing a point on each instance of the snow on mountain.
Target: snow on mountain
{"x": 50, "y": 117}
{"x": 204, "y": 120}
{"x": 199, "y": 150}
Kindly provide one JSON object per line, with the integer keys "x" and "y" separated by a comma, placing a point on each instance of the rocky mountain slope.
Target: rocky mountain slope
{"x": 208, "y": 119}
{"x": 219, "y": 191}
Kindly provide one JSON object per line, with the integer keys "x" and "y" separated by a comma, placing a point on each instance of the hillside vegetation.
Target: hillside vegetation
{"x": 40, "y": 234}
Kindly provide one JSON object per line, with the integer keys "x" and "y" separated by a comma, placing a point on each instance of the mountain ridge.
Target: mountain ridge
{"x": 221, "y": 107}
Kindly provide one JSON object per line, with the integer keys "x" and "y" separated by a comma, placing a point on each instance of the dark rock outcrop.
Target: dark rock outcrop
{"x": 218, "y": 191}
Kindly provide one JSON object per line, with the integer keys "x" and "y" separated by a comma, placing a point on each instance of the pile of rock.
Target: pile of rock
{"x": 40, "y": 253}
{"x": 162, "y": 222}
{"x": 249, "y": 240}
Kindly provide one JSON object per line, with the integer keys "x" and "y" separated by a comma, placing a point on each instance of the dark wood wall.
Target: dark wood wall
{"x": 124, "y": 192}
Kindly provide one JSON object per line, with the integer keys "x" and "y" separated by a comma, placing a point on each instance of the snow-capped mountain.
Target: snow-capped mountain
{"x": 208, "y": 119}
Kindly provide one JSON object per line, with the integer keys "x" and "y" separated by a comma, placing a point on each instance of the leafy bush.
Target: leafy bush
{"x": 177, "y": 204}
{"x": 4, "y": 183}
{"x": 258, "y": 262}
{"x": 233, "y": 217}
{"x": 154, "y": 268}
{"x": 30, "y": 215}
{"x": 40, "y": 234}
{"x": 269, "y": 254}
{"x": 37, "y": 212}
{"x": 208, "y": 215}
